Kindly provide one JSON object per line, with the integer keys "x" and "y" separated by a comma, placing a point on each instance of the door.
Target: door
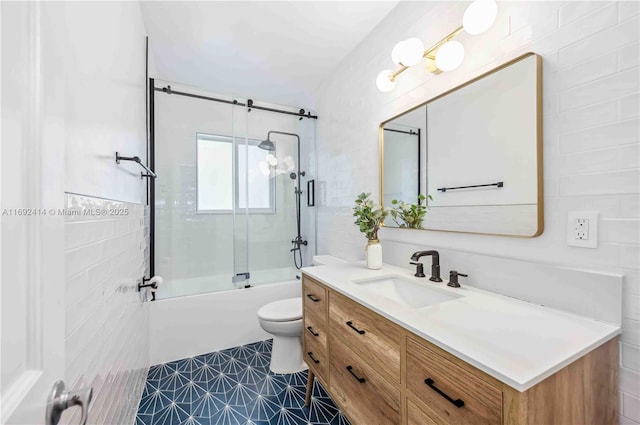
{"x": 241, "y": 239}
{"x": 31, "y": 241}
{"x": 200, "y": 235}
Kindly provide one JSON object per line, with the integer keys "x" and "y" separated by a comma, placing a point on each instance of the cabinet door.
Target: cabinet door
{"x": 315, "y": 300}
{"x": 450, "y": 392}
{"x": 418, "y": 416}
{"x": 315, "y": 329}
{"x": 371, "y": 336}
{"x": 365, "y": 396}
{"x": 316, "y": 357}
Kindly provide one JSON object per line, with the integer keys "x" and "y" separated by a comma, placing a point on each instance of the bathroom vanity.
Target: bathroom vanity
{"x": 394, "y": 349}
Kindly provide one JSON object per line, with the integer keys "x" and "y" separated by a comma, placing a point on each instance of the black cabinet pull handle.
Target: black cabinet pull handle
{"x": 458, "y": 403}
{"x": 313, "y": 298}
{"x": 350, "y": 369}
{"x": 350, "y": 324}
{"x": 310, "y": 329}
{"x": 310, "y": 354}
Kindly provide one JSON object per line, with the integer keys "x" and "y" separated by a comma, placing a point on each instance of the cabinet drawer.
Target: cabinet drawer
{"x": 370, "y": 335}
{"x": 417, "y": 416}
{"x": 315, "y": 298}
{"x": 316, "y": 357}
{"x": 315, "y": 329}
{"x": 440, "y": 384}
{"x": 365, "y": 396}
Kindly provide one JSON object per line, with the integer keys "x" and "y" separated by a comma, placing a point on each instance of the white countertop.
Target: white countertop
{"x": 516, "y": 342}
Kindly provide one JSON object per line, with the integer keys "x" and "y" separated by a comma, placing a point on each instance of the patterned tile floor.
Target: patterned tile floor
{"x": 232, "y": 387}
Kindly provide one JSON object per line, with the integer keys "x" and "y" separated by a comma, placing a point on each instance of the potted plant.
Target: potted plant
{"x": 409, "y": 215}
{"x": 369, "y": 218}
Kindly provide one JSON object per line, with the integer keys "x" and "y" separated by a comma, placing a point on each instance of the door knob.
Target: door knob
{"x": 60, "y": 400}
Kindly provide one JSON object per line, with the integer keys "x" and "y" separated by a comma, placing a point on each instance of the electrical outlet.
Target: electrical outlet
{"x": 582, "y": 229}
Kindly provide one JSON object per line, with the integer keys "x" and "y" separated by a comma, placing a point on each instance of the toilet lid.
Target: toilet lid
{"x": 282, "y": 311}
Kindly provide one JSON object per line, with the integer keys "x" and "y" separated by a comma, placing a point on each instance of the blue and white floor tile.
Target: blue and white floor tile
{"x": 232, "y": 387}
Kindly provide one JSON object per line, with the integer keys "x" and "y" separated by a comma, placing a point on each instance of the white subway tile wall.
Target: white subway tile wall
{"x": 591, "y": 80}
{"x": 107, "y": 322}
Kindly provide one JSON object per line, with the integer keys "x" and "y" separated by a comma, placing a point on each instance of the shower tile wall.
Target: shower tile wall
{"x": 107, "y": 324}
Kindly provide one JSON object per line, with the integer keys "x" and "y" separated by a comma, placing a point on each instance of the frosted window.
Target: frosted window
{"x": 215, "y": 179}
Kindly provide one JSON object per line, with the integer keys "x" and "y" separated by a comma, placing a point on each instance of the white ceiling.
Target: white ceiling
{"x": 277, "y": 51}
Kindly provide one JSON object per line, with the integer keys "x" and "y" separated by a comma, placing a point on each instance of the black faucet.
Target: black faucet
{"x": 419, "y": 269}
{"x": 435, "y": 264}
{"x": 453, "y": 278}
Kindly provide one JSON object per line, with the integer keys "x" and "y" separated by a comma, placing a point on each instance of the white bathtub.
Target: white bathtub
{"x": 181, "y": 287}
{"x": 190, "y": 325}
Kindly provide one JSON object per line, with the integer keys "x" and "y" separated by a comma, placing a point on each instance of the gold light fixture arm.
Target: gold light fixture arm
{"x": 402, "y": 69}
{"x": 429, "y": 54}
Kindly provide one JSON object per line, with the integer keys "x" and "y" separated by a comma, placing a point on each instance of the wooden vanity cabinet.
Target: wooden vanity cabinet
{"x": 379, "y": 373}
{"x": 315, "y": 340}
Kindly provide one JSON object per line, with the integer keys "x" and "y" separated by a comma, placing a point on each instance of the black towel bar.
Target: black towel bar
{"x": 497, "y": 184}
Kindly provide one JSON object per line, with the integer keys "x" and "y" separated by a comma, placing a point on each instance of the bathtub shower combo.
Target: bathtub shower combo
{"x": 229, "y": 218}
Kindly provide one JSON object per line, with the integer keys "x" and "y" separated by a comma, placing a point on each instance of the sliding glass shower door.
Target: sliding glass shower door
{"x": 227, "y": 204}
{"x": 194, "y": 216}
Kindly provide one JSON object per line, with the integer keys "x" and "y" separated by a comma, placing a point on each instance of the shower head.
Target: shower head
{"x": 267, "y": 145}
{"x": 292, "y": 176}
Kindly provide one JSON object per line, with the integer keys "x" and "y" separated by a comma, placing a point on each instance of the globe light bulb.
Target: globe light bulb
{"x": 479, "y": 16}
{"x": 384, "y": 83}
{"x": 450, "y": 56}
{"x": 396, "y": 52}
{"x": 411, "y": 51}
{"x": 408, "y": 52}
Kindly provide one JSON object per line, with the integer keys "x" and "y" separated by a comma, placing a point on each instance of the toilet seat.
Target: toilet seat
{"x": 282, "y": 311}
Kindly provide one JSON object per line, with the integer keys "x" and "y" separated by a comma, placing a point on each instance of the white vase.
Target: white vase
{"x": 374, "y": 254}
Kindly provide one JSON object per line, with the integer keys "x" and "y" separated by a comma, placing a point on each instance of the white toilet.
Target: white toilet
{"x": 283, "y": 320}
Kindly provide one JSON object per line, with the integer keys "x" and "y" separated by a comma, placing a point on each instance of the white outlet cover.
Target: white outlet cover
{"x": 592, "y": 216}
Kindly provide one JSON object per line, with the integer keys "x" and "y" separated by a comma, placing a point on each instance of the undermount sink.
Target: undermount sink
{"x": 405, "y": 291}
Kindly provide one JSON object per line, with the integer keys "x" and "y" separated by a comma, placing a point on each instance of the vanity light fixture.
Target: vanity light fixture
{"x": 408, "y": 52}
{"x": 445, "y": 55}
{"x": 450, "y": 56}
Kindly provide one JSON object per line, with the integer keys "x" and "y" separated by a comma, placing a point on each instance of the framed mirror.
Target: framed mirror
{"x": 471, "y": 157}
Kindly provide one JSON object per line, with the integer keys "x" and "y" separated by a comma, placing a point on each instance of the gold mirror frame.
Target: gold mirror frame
{"x": 539, "y": 141}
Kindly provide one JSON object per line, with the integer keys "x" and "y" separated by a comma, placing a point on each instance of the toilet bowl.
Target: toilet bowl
{"x": 283, "y": 320}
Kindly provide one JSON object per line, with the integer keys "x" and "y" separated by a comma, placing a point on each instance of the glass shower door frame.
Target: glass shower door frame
{"x": 241, "y": 274}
